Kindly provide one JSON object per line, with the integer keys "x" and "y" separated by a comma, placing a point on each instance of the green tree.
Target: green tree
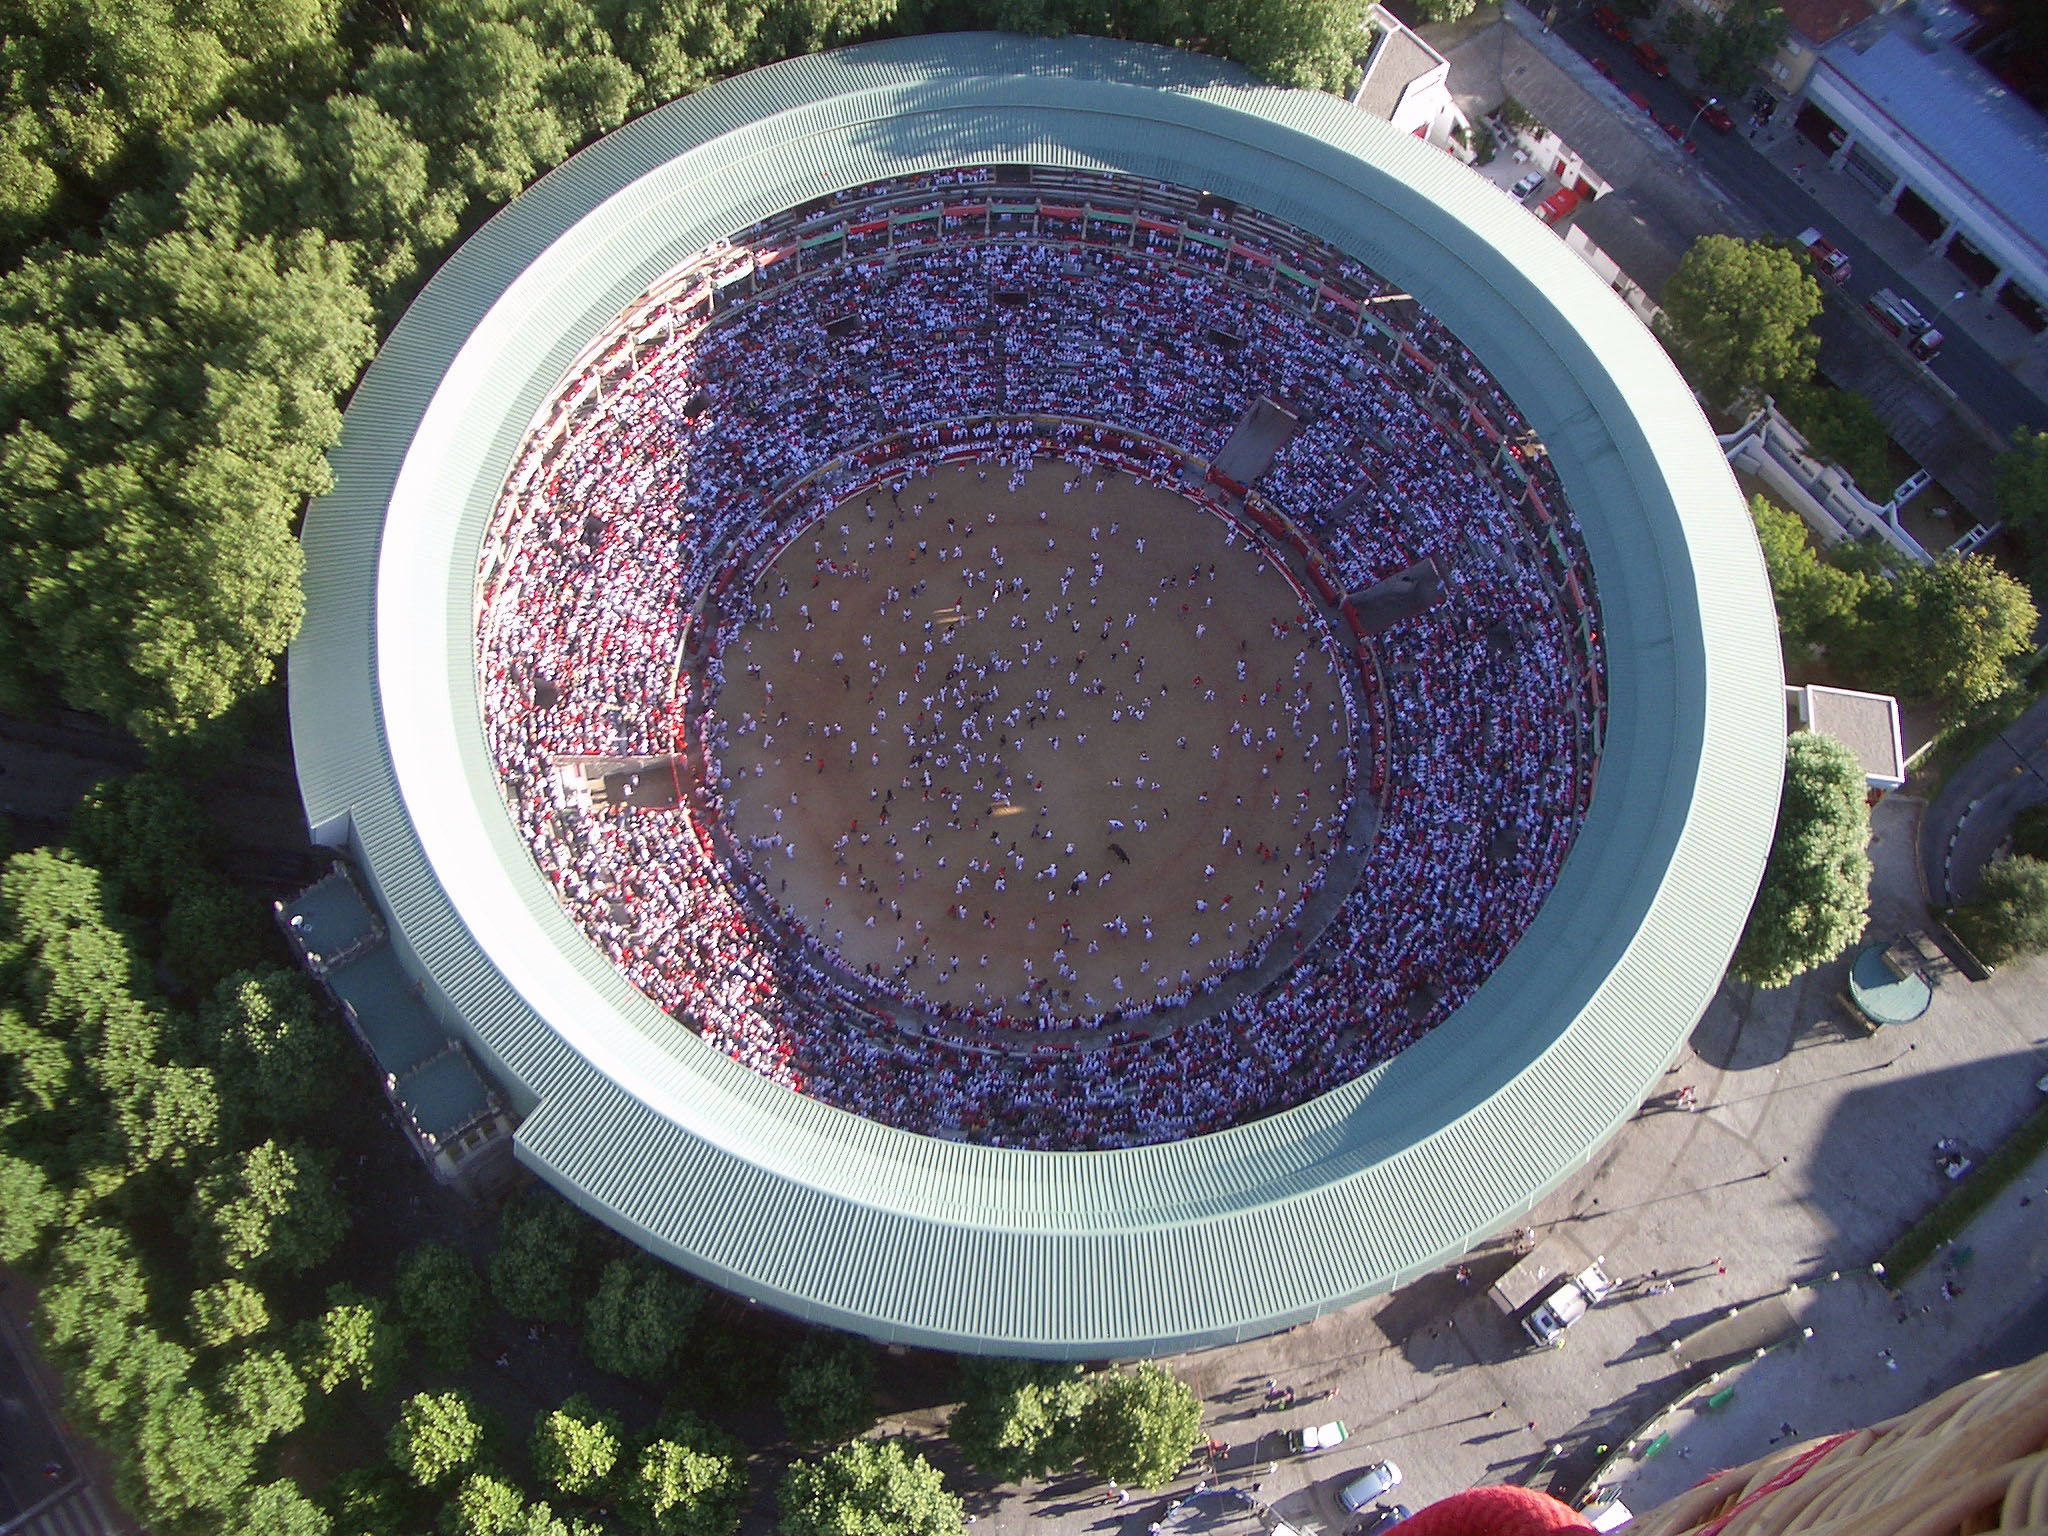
{"x": 143, "y": 833}
{"x": 1739, "y": 315}
{"x": 119, "y": 1370}
{"x": 277, "y": 1060}
{"x": 2021, "y": 486}
{"x": 1733, "y": 44}
{"x": 368, "y": 1501}
{"x": 280, "y": 1509}
{"x": 490, "y": 1506}
{"x": 1019, "y": 1418}
{"x": 1819, "y": 603}
{"x": 1955, "y": 632}
{"x": 30, "y": 1206}
{"x": 212, "y": 931}
{"x": 265, "y": 1393}
{"x": 639, "y": 1319}
{"x": 95, "y": 1277}
{"x": 187, "y": 1458}
{"x": 688, "y": 1478}
{"x": 441, "y": 1298}
{"x": 1445, "y": 10}
{"x": 1815, "y": 894}
{"x": 1140, "y": 1425}
{"x": 227, "y": 1310}
{"x": 828, "y": 1388}
{"x": 274, "y": 1207}
{"x": 164, "y": 413}
{"x": 2009, "y": 917}
{"x": 91, "y": 89}
{"x": 546, "y": 1258}
{"x": 868, "y": 1488}
{"x": 1840, "y": 426}
{"x": 575, "y": 1448}
{"x": 437, "y": 1435}
{"x": 351, "y": 1343}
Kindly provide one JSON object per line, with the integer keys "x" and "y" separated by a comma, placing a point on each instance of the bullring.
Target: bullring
{"x": 933, "y": 1240}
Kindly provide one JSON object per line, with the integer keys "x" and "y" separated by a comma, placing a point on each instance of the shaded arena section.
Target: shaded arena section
{"x": 1638, "y": 547}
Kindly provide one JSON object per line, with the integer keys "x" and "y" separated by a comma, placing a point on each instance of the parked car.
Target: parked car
{"x": 1607, "y": 21}
{"x": 1601, "y": 66}
{"x": 1565, "y": 1305}
{"x": 1381, "y": 1477}
{"x": 1832, "y": 261}
{"x": 1904, "y": 320}
{"x": 1558, "y": 204}
{"x": 1642, "y": 101}
{"x": 1678, "y": 136}
{"x": 1527, "y": 184}
{"x": 1713, "y": 114}
{"x": 1317, "y": 1437}
{"x": 1648, "y": 56}
{"x": 1383, "y": 1518}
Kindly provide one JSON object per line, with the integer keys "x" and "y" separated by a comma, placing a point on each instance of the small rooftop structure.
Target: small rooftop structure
{"x": 1866, "y": 723}
{"x": 444, "y": 1103}
{"x": 1888, "y": 983}
{"x": 1407, "y": 83}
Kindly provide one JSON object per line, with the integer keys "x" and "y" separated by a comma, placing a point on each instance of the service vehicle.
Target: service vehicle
{"x": 1831, "y": 259}
{"x": 1678, "y": 136}
{"x": 1647, "y": 55}
{"x": 1528, "y": 184}
{"x": 1610, "y": 23}
{"x": 1903, "y": 320}
{"x": 1381, "y": 1477}
{"x": 1642, "y": 101}
{"x": 1317, "y": 1437}
{"x": 1572, "y": 1298}
{"x": 1558, "y": 204}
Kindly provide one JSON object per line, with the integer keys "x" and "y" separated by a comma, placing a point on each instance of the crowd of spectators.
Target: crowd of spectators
{"x": 1101, "y": 321}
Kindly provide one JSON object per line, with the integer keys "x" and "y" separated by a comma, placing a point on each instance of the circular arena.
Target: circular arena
{"x": 1035, "y": 699}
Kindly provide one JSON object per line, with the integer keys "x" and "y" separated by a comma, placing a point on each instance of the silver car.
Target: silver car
{"x": 1381, "y": 1477}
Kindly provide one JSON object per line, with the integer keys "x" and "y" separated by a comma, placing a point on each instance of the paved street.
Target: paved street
{"x": 1783, "y": 184}
{"x": 1975, "y": 809}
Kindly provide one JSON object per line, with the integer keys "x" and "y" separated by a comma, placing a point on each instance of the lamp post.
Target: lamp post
{"x": 1711, "y": 101}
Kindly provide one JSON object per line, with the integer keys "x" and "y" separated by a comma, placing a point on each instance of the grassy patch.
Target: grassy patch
{"x": 1990, "y": 1180}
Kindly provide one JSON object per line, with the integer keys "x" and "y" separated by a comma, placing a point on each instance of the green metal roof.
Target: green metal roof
{"x": 909, "y": 1238}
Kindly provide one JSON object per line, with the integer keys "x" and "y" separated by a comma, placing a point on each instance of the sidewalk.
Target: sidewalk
{"x": 1871, "y": 1355}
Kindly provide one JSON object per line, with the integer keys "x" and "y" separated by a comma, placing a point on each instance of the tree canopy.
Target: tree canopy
{"x": 1019, "y": 1418}
{"x": 545, "y": 1264}
{"x": 2021, "y": 485}
{"x": 687, "y": 1478}
{"x": 2008, "y": 919}
{"x": 868, "y": 1488}
{"x": 575, "y": 1447}
{"x": 1140, "y": 1426}
{"x": 1955, "y": 632}
{"x": 441, "y": 1298}
{"x": 1740, "y": 314}
{"x": 828, "y": 1386}
{"x": 637, "y": 1323}
{"x": 274, "y": 1207}
{"x": 437, "y": 1435}
{"x": 1815, "y": 895}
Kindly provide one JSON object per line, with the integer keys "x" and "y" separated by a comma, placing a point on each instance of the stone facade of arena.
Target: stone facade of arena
{"x": 932, "y": 1239}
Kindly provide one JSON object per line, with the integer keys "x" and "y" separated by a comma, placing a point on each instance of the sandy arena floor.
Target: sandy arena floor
{"x": 955, "y": 823}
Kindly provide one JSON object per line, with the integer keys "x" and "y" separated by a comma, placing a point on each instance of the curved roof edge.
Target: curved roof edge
{"x": 902, "y": 1237}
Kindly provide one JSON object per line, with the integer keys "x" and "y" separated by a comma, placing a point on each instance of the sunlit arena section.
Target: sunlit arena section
{"x": 1036, "y": 699}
